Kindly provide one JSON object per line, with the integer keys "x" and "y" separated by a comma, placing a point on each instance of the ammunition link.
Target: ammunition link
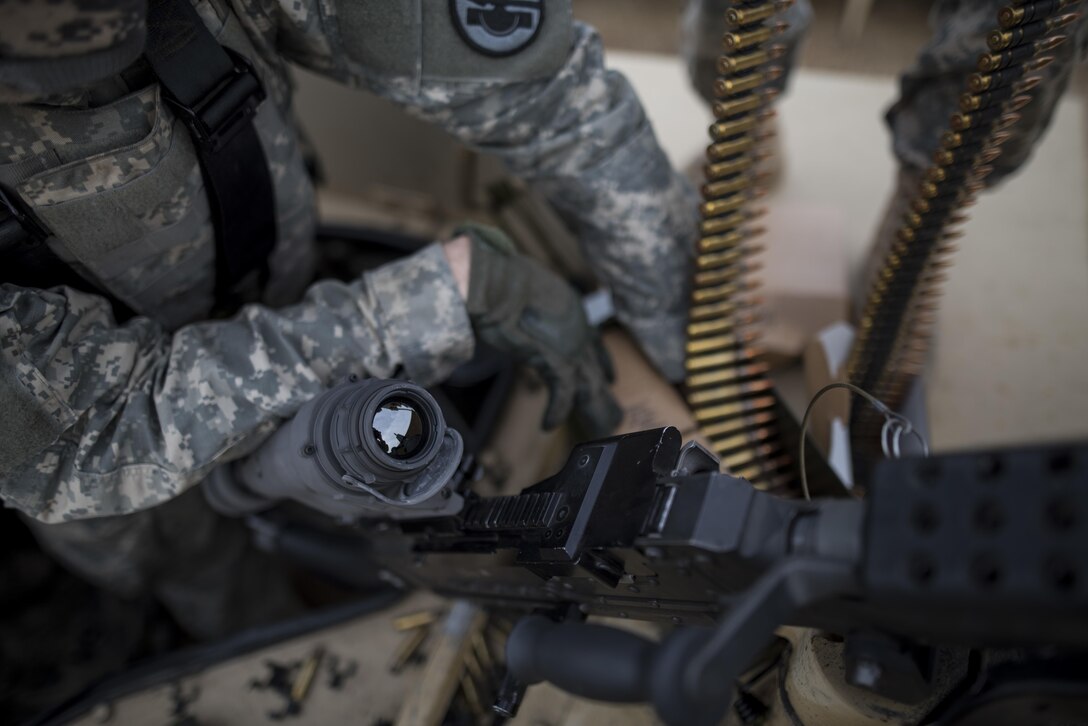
{"x": 728, "y": 385}
{"x": 896, "y": 325}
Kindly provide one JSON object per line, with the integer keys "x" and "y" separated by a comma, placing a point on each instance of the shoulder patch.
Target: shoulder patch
{"x": 498, "y": 27}
{"x": 470, "y": 41}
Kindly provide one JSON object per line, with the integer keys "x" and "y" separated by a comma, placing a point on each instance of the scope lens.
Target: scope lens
{"x": 399, "y": 429}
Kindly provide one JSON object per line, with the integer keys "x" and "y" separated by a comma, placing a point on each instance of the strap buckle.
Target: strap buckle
{"x": 216, "y": 118}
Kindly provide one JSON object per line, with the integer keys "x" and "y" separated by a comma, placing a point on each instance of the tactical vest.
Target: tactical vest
{"x": 215, "y": 92}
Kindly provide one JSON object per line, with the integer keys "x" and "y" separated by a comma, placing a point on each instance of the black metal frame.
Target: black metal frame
{"x": 639, "y": 527}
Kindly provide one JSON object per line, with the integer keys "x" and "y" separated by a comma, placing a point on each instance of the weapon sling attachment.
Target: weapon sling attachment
{"x": 215, "y": 93}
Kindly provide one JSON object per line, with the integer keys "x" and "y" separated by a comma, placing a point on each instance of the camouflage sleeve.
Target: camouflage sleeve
{"x": 931, "y": 87}
{"x": 583, "y": 140}
{"x": 51, "y": 47}
{"x": 104, "y": 419}
{"x": 581, "y": 137}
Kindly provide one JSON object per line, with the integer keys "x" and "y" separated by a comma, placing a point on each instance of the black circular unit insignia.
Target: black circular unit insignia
{"x": 498, "y": 27}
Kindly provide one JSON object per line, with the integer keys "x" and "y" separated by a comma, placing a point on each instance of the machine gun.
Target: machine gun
{"x": 980, "y": 551}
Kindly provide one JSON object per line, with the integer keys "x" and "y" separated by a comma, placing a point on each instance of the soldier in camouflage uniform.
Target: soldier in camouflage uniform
{"x": 929, "y": 90}
{"x": 114, "y": 424}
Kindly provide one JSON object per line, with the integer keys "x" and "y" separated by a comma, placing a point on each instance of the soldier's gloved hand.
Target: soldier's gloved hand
{"x": 518, "y": 306}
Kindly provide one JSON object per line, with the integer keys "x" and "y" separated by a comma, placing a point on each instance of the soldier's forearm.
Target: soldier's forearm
{"x": 138, "y": 415}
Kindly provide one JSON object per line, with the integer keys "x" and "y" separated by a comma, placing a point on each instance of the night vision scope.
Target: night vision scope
{"x": 366, "y": 448}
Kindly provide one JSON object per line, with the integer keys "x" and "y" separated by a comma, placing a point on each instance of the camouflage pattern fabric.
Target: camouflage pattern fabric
{"x": 931, "y": 87}
{"x": 50, "y": 46}
{"x": 146, "y": 414}
{"x": 64, "y": 29}
{"x": 130, "y": 416}
{"x": 583, "y": 140}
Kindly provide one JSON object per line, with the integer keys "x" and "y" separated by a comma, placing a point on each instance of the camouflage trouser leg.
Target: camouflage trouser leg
{"x": 704, "y": 25}
{"x": 200, "y": 565}
{"x": 929, "y": 95}
{"x": 930, "y": 89}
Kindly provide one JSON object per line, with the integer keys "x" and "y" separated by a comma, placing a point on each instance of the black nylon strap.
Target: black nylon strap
{"x": 216, "y": 94}
{"x": 187, "y": 60}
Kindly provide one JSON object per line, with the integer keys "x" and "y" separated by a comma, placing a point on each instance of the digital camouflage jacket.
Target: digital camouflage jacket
{"x": 103, "y": 419}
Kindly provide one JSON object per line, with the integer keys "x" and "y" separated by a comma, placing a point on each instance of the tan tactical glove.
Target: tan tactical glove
{"x": 519, "y": 307}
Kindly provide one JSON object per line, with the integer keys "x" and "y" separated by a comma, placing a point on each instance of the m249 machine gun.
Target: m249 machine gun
{"x": 973, "y": 551}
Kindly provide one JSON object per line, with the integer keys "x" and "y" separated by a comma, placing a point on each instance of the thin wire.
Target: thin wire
{"x": 891, "y": 433}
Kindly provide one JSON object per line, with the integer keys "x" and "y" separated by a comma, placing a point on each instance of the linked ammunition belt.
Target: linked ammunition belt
{"x": 898, "y": 319}
{"x": 728, "y": 387}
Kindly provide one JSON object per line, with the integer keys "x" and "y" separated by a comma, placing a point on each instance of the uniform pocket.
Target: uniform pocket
{"x": 135, "y": 217}
{"x": 134, "y": 214}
